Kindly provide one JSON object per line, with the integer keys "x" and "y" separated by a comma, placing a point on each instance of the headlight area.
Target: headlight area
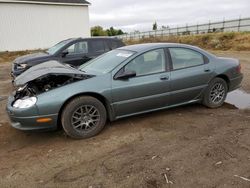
{"x": 25, "y": 102}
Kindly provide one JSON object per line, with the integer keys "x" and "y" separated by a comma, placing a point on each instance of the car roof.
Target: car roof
{"x": 93, "y": 38}
{"x": 141, "y": 48}
{"x": 150, "y": 46}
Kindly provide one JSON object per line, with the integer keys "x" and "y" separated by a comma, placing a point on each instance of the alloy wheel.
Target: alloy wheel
{"x": 85, "y": 118}
{"x": 217, "y": 93}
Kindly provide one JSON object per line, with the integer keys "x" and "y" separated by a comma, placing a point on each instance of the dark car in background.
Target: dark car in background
{"x": 74, "y": 51}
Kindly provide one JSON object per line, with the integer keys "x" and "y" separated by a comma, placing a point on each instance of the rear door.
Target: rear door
{"x": 190, "y": 74}
{"x": 97, "y": 47}
{"x": 148, "y": 90}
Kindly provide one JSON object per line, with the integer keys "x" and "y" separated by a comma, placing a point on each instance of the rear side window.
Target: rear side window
{"x": 106, "y": 46}
{"x": 184, "y": 58}
{"x": 97, "y": 46}
{"x": 114, "y": 45}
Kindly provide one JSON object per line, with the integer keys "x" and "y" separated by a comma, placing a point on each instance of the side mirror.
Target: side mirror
{"x": 125, "y": 75}
{"x": 64, "y": 53}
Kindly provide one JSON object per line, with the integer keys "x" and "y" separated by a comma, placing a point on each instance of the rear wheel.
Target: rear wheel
{"x": 216, "y": 93}
{"x": 83, "y": 117}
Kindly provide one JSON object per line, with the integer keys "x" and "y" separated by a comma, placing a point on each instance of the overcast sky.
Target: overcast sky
{"x": 131, "y": 15}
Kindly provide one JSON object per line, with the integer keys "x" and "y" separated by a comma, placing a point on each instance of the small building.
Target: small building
{"x": 39, "y": 24}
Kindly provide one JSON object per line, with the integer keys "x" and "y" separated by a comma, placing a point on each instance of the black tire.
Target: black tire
{"x": 77, "y": 117}
{"x": 212, "y": 98}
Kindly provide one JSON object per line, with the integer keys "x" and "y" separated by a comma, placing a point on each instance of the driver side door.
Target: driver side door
{"x": 146, "y": 91}
{"x": 76, "y": 54}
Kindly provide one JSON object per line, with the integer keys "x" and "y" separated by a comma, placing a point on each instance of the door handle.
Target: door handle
{"x": 165, "y": 77}
{"x": 206, "y": 70}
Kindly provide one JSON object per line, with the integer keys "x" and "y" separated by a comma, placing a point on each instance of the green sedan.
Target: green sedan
{"x": 124, "y": 82}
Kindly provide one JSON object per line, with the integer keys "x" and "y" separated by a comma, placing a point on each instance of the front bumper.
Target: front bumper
{"x": 26, "y": 119}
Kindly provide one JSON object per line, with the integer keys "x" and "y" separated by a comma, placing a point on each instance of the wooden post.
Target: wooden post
{"x": 239, "y": 24}
{"x": 223, "y": 24}
{"x": 209, "y": 26}
{"x": 197, "y": 28}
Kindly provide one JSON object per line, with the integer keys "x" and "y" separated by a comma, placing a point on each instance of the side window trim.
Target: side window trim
{"x": 168, "y": 61}
{"x": 205, "y": 59}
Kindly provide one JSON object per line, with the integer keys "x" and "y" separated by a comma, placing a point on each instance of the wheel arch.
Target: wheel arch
{"x": 224, "y": 77}
{"x": 99, "y": 97}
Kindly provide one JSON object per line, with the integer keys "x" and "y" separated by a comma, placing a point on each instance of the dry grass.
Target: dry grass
{"x": 239, "y": 41}
{"x": 10, "y": 56}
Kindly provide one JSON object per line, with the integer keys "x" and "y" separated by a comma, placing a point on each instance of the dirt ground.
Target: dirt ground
{"x": 189, "y": 146}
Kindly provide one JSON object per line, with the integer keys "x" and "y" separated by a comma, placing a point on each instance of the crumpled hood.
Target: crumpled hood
{"x": 46, "y": 68}
{"x": 30, "y": 57}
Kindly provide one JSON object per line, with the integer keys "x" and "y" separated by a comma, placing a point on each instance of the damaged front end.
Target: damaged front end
{"x": 23, "y": 107}
{"x": 45, "y": 77}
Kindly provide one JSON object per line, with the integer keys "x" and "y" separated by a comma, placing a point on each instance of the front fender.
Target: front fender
{"x": 51, "y": 102}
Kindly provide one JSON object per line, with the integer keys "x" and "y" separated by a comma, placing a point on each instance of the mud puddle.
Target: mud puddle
{"x": 239, "y": 98}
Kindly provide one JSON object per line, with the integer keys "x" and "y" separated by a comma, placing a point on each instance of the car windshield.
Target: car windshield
{"x": 106, "y": 62}
{"x": 58, "y": 46}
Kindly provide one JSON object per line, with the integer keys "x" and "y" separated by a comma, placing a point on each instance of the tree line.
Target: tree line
{"x": 99, "y": 31}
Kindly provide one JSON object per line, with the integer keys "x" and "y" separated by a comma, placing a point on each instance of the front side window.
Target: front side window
{"x": 78, "y": 48}
{"x": 184, "y": 58}
{"x": 148, "y": 63}
{"x": 54, "y": 49}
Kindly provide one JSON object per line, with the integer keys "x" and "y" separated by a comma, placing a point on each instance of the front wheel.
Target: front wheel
{"x": 216, "y": 93}
{"x": 83, "y": 117}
